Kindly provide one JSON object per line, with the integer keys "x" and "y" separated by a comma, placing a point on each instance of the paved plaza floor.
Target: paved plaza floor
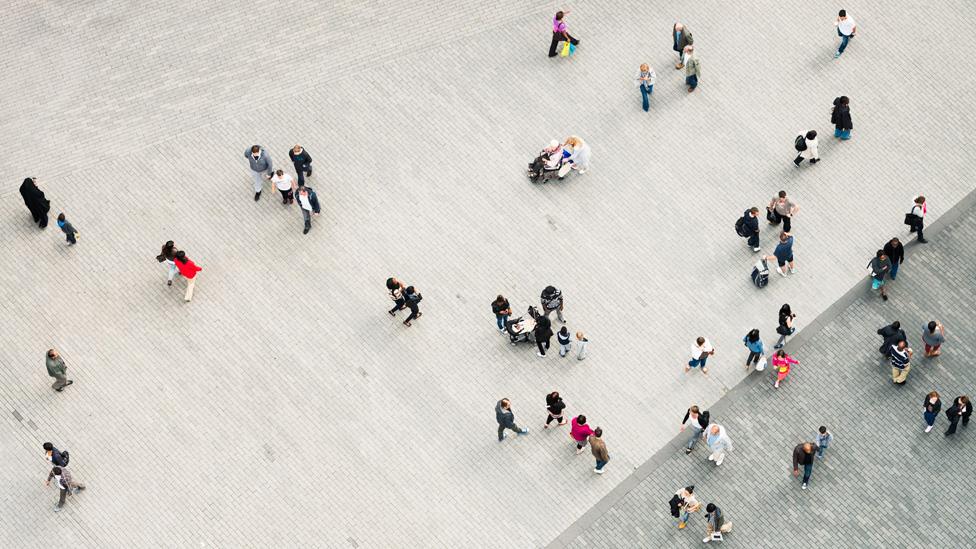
{"x": 283, "y": 407}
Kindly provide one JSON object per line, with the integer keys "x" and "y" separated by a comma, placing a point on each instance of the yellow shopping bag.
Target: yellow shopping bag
{"x": 565, "y": 52}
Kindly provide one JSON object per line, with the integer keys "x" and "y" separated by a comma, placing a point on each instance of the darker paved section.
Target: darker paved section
{"x": 884, "y": 482}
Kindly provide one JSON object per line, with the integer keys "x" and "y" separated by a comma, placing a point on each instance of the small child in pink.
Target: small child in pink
{"x": 781, "y": 363}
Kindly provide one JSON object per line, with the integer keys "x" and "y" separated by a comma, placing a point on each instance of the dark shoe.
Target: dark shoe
{"x": 406, "y": 323}
{"x": 884, "y": 297}
{"x": 687, "y": 451}
{"x": 68, "y": 383}
{"x": 59, "y": 389}
{"x": 392, "y": 313}
{"x": 308, "y": 173}
{"x": 284, "y": 200}
{"x": 814, "y": 160}
{"x": 169, "y": 282}
{"x": 923, "y": 241}
{"x": 257, "y": 196}
{"x": 306, "y": 230}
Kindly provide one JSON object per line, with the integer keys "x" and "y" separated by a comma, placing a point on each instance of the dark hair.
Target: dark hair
{"x": 255, "y": 148}
{"x": 785, "y": 310}
{"x": 844, "y": 100}
{"x": 598, "y": 432}
{"x": 48, "y": 446}
{"x": 559, "y": 16}
{"x": 932, "y": 325}
{"x": 690, "y": 489}
{"x": 812, "y": 134}
{"x": 781, "y": 353}
{"x": 753, "y": 335}
{"x": 581, "y": 419}
{"x": 822, "y": 429}
{"x": 181, "y": 255}
{"x": 693, "y": 409}
{"x": 391, "y": 283}
{"x": 169, "y": 244}
{"x": 896, "y": 324}
{"x": 920, "y": 199}
{"x": 60, "y": 217}
{"x": 842, "y": 13}
{"x": 700, "y": 341}
{"x": 711, "y": 508}
{"x": 781, "y": 194}
{"x": 564, "y": 330}
{"x": 56, "y": 470}
{"x": 754, "y": 210}
{"x": 410, "y": 289}
{"x": 554, "y": 394}
{"x": 280, "y": 172}
{"x": 500, "y": 298}
{"x": 879, "y": 253}
{"x": 895, "y": 241}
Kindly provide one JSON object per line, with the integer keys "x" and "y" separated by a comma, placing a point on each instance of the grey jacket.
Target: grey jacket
{"x": 503, "y": 416}
{"x": 262, "y": 164}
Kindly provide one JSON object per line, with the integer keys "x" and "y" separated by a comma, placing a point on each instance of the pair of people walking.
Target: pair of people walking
{"x": 683, "y": 44}
{"x": 404, "y": 296}
{"x": 176, "y": 261}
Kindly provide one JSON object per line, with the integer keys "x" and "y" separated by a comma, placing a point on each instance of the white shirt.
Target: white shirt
{"x": 846, "y": 26}
{"x": 697, "y": 351}
{"x": 283, "y": 182}
{"x": 303, "y": 200}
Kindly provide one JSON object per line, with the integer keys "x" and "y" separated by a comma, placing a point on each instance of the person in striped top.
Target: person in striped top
{"x": 901, "y": 356}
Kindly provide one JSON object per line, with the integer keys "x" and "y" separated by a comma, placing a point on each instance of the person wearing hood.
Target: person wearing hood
{"x": 35, "y": 201}
{"x": 506, "y": 419}
{"x": 719, "y": 443}
{"x": 892, "y": 334}
{"x": 840, "y": 117}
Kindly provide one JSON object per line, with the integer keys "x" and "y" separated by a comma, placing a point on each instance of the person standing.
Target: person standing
{"x": 755, "y": 346}
{"x": 412, "y": 300}
{"x": 781, "y": 209}
{"x": 542, "y": 334}
{"x": 697, "y": 421}
{"x": 846, "y": 27}
{"x": 599, "y": 449}
{"x": 783, "y": 254}
{"x": 555, "y": 407}
{"x": 580, "y": 432}
{"x": 719, "y": 443}
{"x": 692, "y": 68}
{"x": 55, "y": 456}
{"x": 900, "y": 356}
{"x": 683, "y": 504}
{"x": 396, "y": 289}
{"x": 933, "y": 336}
{"x": 579, "y": 155}
{"x": 35, "y": 201}
{"x": 782, "y": 363}
{"x": 804, "y": 453}
{"x": 552, "y": 300}
{"x": 57, "y": 369}
{"x": 879, "y": 267}
{"x": 502, "y": 311}
{"x": 896, "y": 253}
{"x": 188, "y": 270}
{"x": 716, "y": 524}
{"x": 581, "y": 343}
{"x": 285, "y": 185}
{"x": 750, "y": 227}
{"x": 916, "y": 217}
{"x": 785, "y": 327}
{"x": 309, "y": 204}
{"x": 930, "y": 409}
{"x": 69, "y": 230}
{"x": 260, "y": 162}
{"x": 64, "y": 482}
{"x": 824, "y": 439}
{"x": 806, "y": 147}
{"x": 506, "y": 419}
{"x": 682, "y": 38}
{"x": 565, "y": 341}
{"x": 892, "y": 334}
{"x": 645, "y": 81}
{"x": 700, "y": 351}
{"x": 961, "y": 408}
{"x": 560, "y": 33}
{"x": 303, "y": 163}
{"x": 840, "y": 117}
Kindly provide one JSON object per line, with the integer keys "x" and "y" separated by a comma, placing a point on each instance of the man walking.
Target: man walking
{"x": 933, "y": 336}
{"x": 506, "y": 419}
{"x": 700, "y": 351}
{"x": 309, "y": 204}
{"x": 69, "y": 230}
{"x": 560, "y": 33}
{"x": 805, "y": 453}
{"x": 682, "y": 37}
{"x": 896, "y": 253}
{"x": 412, "y": 298}
{"x": 900, "y": 356}
{"x": 783, "y": 254}
{"x": 57, "y": 369}
{"x": 892, "y": 334}
{"x": 781, "y": 209}
{"x": 692, "y": 68}
{"x": 303, "y": 163}
{"x": 552, "y": 300}
{"x": 961, "y": 408}
{"x": 806, "y": 147}
{"x": 716, "y": 524}
{"x": 599, "y": 449}
{"x": 35, "y": 201}
{"x": 697, "y": 421}
{"x": 64, "y": 482}
{"x": 55, "y": 456}
{"x": 260, "y": 162}
{"x": 879, "y": 267}
{"x": 719, "y": 443}
{"x": 846, "y": 27}
{"x": 750, "y": 227}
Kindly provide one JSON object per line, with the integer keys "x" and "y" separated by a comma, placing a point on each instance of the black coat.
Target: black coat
{"x": 953, "y": 412}
{"x": 34, "y": 198}
{"x": 896, "y": 255}
{"x": 841, "y": 116}
{"x": 932, "y": 408}
{"x": 750, "y": 225}
{"x": 891, "y": 337}
{"x": 301, "y": 159}
{"x": 555, "y": 405}
{"x": 543, "y": 328}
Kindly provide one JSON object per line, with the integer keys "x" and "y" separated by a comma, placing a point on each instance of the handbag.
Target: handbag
{"x": 565, "y": 52}
{"x": 911, "y": 219}
{"x": 572, "y": 48}
{"x": 761, "y": 365}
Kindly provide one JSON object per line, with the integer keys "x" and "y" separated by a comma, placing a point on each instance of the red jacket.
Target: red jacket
{"x": 188, "y": 269}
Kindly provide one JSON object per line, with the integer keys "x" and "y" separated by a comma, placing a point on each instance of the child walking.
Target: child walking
{"x": 781, "y": 363}
{"x": 824, "y": 439}
{"x": 565, "y": 343}
{"x": 69, "y": 230}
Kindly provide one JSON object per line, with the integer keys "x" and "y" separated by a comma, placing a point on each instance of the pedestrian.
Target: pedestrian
{"x": 565, "y": 342}
{"x": 840, "y": 117}
{"x": 697, "y": 421}
{"x": 285, "y": 185}
{"x": 260, "y": 162}
{"x": 35, "y": 201}
{"x": 309, "y": 204}
{"x": 682, "y": 39}
{"x": 719, "y": 443}
{"x": 579, "y": 154}
{"x": 700, "y": 351}
{"x": 599, "y": 449}
{"x": 57, "y": 369}
{"x": 188, "y": 270}
{"x": 555, "y": 407}
{"x": 57, "y": 457}
{"x": 396, "y": 289}
{"x": 692, "y": 68}
{"x": 785, "y": 327}
{"x": 560, "y": 33}
{"x": 552, "y": 300}
{"x": 961, "y": 408}
{"x": 412, "y": 300}
{"x": 782, "y": 363}
{"x": 879, "y": 268}
{"x": 896, "y": 253}
{"x": 783, "y": 254}
{"x": 64, "y": 482}
{"x": 580, "y": 432}
{"x": 933, "y": 336}
{"x": 806, "y": 147}
{"x": 683, "y": 504}
{"x": 303, "y": 163}
{"x": 892, "y": 334}
{"x": 915, "y": 218}
{"x": 750, "y": 227}
{"x": 755, "y": 346}
{"x": 581, "y": 342}
{"x": 781, "y": 209}
{"x": 900, "y": 356}
{"x": 69, "y": 230}
{"x": 645, "y": 81}
{"x": 506, "y": 419}
{"x": 805, "y": 453}
{"x": 502, "y": 311}
{"x": 824, "y": 438}
{"x": 167, "y": 255}
{"x": 930, "y": 409}
{"x": 542, "y": 334}
{"x": 846, "y": 27}
{"x": 716, "y": 524}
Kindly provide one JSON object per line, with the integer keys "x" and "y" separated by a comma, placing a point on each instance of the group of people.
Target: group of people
{"x": 557, "y": 159}
{"x": 537, "y": 327}
{"x": 39, "y": 206}
{"x": 404, "y": 296}
{"x": 262, "y": 168}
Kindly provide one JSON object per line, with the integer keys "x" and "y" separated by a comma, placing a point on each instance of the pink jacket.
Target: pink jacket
{"x": 782, "y": 365}
{"x": 580, "y": 432}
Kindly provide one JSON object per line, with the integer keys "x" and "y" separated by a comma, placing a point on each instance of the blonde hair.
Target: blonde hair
{"x": 574, "y": 141}
{"x": 644, "y": 67}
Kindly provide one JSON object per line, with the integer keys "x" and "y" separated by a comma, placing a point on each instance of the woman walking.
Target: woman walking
{"x": 285, "y": 185}
{"x": 916, "y": 217}
{"x": 782, "y": 363}
{"x": 166, "y": 257}
{"x": 560, "y": 33}
{"x": 35, "y": 201}
{"x": 840, "y": 117}
{"x": 692, "y": 68}
{"x": 189, "y": 270}
{"x": 930, "y": 409}
{"x": 645, "y": 81}
{"x": 755, "y": 346}
{"x": 580, "y": 431}
{"x": 785, "y": 327}
{"x": 543, "y": 334}
{"x": 555, "y": 407}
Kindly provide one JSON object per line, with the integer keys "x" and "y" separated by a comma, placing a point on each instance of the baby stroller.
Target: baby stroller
{"x": 521, "y": 329}
{"x": 538, "y": 170}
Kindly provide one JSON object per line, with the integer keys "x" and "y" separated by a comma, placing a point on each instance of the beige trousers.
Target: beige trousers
{"x": 189, "y": 288}
{"x": 900, "y": 375}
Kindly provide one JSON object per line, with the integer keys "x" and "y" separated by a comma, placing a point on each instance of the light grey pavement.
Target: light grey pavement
{"x": 283, "y": 406}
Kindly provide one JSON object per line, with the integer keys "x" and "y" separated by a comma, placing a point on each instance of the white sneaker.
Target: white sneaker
{"x": 719, "y": 461}
{"x": 929, "y": 428}
{"x": 780, "y": 271}
{"x": 598, "y": 471}
{"x": 708, "y": 539}
{"x": 792, "y": 270}
{"x": 711, "y": 457}
{"x": 537, "y": 353}
{"x": 756, "y": 249}
{"x": 804, "y": 487}
{"x": 579, "y": 451}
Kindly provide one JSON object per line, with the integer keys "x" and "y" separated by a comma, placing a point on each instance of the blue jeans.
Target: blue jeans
{"x": 807, "y": 471}
{"x": 692, "y": 81}
{"x": 820, "y": 452}
{"x": 894, "y": 270}
{"x": 695, "y": 435}
{"x": 843, "y": 41}
{"x": 843, "y": 134}
{"x": 501, "y": 320}
{"x": 600, "y": 463}
{"x": 929, "y": 418}
{"x": 696, "y": 362}
{"x": 684, "y": 516}
{"x": 646, "y": 92}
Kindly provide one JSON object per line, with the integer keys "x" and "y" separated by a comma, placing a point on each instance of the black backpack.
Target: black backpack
{"x": 740, "y": 227}
{"x": 800, "y": 143}
{"x": 703, "y": 419}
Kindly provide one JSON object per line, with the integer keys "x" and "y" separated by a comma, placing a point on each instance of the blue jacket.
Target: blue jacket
{"x": 756, "y": 347}
{"x": 313, "y": 199}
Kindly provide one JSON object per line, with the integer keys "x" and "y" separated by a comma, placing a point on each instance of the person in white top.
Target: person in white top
{"x": 687, "y": 503}
{"x": 846, "y": 27}
{"x": 810, "y": 150}
{"x": 579, "y": 159}
{"x": 645, "y": 81}
{"x": 285, "y": 184}
{"x": 918, "y": 221}
{"x": 700, "y": 352}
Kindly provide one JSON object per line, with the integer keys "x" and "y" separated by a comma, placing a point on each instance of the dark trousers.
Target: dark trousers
{"x": 501, "y": 429}
{"x": 40, "y": 218}
{"x": 308, "y": 218}
{"x": 753, "y": 357}
{"x": 551, "y": 418}
{"x": 286, "y": 196}
{"x": 540, "y": 342}
{"x": 953, "y": 423}
{"x": 414, "y": 311}
{"x": 916, "y": 228}
{"x": 302, "y": 170}
{"x": 692, "y": 81}
{"x": 71, "y": 237}
{"x": 398, "y": 304}
{"x": 558, "y": 37}
{"x": 754, "y": 240}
